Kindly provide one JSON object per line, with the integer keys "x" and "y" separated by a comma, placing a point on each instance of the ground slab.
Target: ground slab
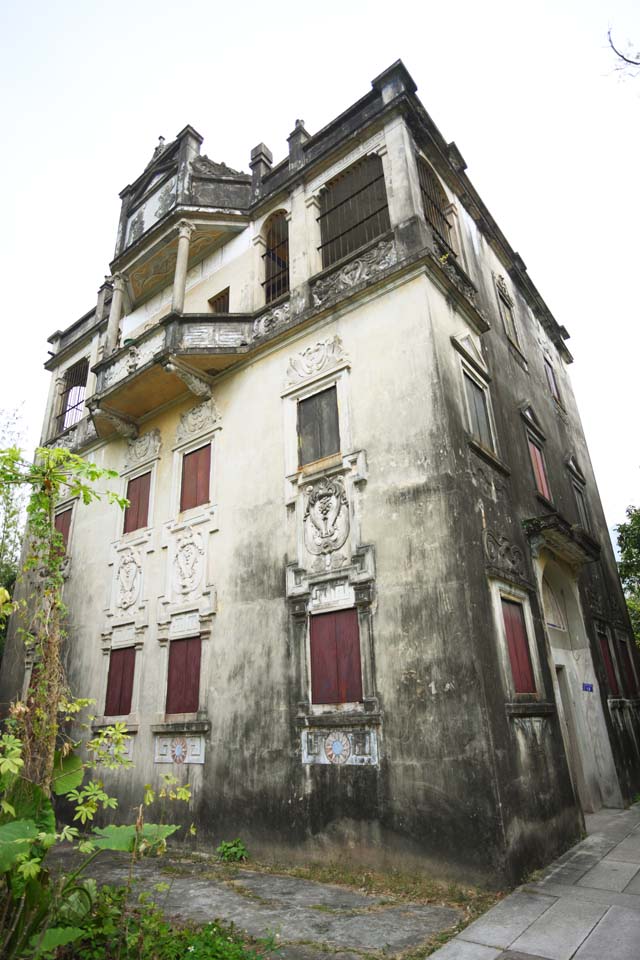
{"x": 585, "y": 907}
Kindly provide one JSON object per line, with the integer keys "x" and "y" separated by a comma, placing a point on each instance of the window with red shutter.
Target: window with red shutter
{"x": 539, "y": 470}
{"x": 612, "y": 680}
{"x": 336, "y": 674}
{"x": 183, "y": 682}
{"x": 518, "y": 646}
{"x": 137, "y": 513}
{"x": 120, "y": 682}
{"x": 196, "y": 467}
{"x": 62, "y": 524}
{"x": 626, "y": 667}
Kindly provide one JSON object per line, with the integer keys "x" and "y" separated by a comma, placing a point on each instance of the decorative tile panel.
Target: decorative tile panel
{"x": 352, "y": 748}
{"x": 179, "y": 748}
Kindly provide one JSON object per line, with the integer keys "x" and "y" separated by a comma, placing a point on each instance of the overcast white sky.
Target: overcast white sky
{"x": 528, "y": 92}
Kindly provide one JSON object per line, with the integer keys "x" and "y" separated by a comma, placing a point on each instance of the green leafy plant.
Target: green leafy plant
{"x": 232, "y": 851}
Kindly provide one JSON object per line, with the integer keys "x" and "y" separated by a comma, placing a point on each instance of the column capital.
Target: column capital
{"x": 118, "y": 281}
{"x": 185, "y": 229}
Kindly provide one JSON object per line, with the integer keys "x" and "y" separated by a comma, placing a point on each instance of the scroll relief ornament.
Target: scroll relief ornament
{"x": 197, "y": 420}
{"x": 271, "y": 319}
{"x": 501, "y": 552}
{"x": 358, "y": 271}
{"x": 326, "y": 516}
{"x": 315, "y": 360}
{"x": 128, "y": 578}
{"x": 188, "y": 562}
{"x": 145, "y": 447}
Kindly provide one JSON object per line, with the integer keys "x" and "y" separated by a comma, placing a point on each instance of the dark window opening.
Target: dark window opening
{"x": 196, "y": 467}
{"x": 434, "y": 202}
{"x": 336, "y": 673}
{"x": 612, "y": 680}
{"x": 551, "y": 380}
{"x": 581, "y": 504}
{"x": 539, "y": 469}
{"x": 508, "y": 318}
{"x": 62, "y": 523}
{"x": 478, "y": 412}
{"x": 220, "y": 303}
{"x": 626, "y": 668}
{"x": 276, "y": 258}
{"x": 120, "y": 682}
{"x": 183, "y": 682}
{"x": 137, "y": 513}
{"x": 73, "y": 394}
{"x": 318, "y": 430}
{"x": 353, "y": 210}
{"x": 518, "y": 646}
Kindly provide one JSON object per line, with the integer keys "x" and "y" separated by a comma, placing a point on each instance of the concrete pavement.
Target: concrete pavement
{"x": 586, "y": 906}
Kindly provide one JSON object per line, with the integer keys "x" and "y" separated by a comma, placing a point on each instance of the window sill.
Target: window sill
{"x": 189, "y": 724}
{"x": 547, "y": 503}
{"x": 518, "y": 354}
{"x": 319, "y": 466}
{"x": 529, "y": 708}
{"x": 489, "y": 456}
{"x": 367, "y": 715}
{"x": 101, "y": 723}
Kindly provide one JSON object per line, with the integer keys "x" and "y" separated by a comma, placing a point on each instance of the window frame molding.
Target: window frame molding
{"x": 535, "y": 435}
{"x": 179, "y": 517}
{"x": 126, "y": 476}
{"x": 482, "y": 379}
{"x": 500, "y": 589}
{"x": 113, "y": 642}
{"x": 506, "y": 302}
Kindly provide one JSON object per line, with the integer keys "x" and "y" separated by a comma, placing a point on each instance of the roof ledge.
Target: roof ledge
{"x": 569, "y": 542}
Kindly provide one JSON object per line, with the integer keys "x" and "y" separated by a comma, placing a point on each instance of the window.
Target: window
{"x": 612, "y": 680}
{"x": 626, "y": 667}
{"x": 434, "y": 201}
{"x": 539, "y": 469}
{"x": 73, "y": 394}
{"x": 478, "y": 409}
{"x": 336, "y": 674}
{"x": 581, "y": 504}
{"x": 318, "y": 432}
{"x": 551, "y": 380}
{"x": 553, "y": 613}
{"x": 137, "y": 513}
{"x": 276, "y": 257}
{"x": 220, "y": 303}
{"x": 518, "y": 646}
{"x": 353, "y": 210}
{"x": 122, "y": 664}
{"x": 62, "y": 524}
{"x": 196, "y": 467}
{"x": 183, "y": 682}
{"x": 506, "y": 305}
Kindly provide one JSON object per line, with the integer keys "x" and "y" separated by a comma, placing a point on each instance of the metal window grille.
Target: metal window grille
{"x": 353, "y": 210}
{"x": 276, "y": 258}
{"x": 434, "y": 202}
{"x": 73, "y": 394}
{"x": 220, "y": 303}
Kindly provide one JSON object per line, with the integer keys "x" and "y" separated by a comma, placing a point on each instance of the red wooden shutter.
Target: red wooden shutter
{"x": 626, "y": 669}
{"x": 183, "y": 684}
{"x": 62, "y": 524}
{"x": 120, "y": 682}
{"x": 518, "y": 646}
{"x": 540, "y": 473}
{"x": 336, "y": 674}
{"x": 612, "y": 680}
{"x": 137, "y": 513}
{"x": 196, "y": 467}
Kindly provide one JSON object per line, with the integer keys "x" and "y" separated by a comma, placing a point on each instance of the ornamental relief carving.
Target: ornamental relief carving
{"x": 272, "y": 318}
{"x": 128, "y": 578}
{"x": 501, "y": 552}
{"x": 381, "y": 257}
{"x": 188, "y": 562}
{"x": 314, "y": 360}
{"x": 326, "y": 516}
{"x": 136, "y": 356}
{"x": 145, "y": 447}
{"x": 197, "y": 420}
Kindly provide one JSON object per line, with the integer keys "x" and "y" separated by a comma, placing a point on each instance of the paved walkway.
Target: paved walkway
{"x": 586, "y": 906}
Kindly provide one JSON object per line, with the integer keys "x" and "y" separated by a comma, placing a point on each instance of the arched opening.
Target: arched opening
{"x": 276, "y": 257}
{"x": 577, "y": 692}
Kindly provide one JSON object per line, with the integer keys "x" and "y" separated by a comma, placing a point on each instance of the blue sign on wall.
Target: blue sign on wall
{"x": 587, "y": 687}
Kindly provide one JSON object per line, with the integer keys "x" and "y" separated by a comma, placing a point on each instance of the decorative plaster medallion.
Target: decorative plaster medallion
{"x": 337, "y": 747}
{"x": 197, "y": 420}
{"x": 145, "y": 447}
{"x": 326, "y": 516}
{"x": 501, "y": 552}
{"x": 357, "y": 271}
{"x": 270, "y": 319}
{"x": 179, "y": 749}
{"x": 166, "y": 198}
{"x": 136, "y": 227}
{"x": 128, "y": 578}
{"x": 314, "y": 360}
{"x": 188, "y": 563}
{"x": 503, "y": 289}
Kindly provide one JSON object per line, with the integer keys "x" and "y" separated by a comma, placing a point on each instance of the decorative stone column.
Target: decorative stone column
{"x": 185, "y": 229}
{"x": 115, "y": 314}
